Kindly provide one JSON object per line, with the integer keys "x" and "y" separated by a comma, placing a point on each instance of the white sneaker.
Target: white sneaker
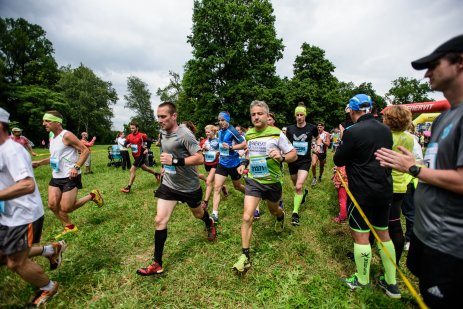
{"x": 407, "y": 246}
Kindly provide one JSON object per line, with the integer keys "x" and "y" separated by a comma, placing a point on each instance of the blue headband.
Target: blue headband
{"x": 225, "y": 116}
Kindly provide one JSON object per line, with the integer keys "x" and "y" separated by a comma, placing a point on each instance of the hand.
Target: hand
{"x": 226, "y": 146}
{"x": 398, "y": 161}
{"x": 275, "y": 154}
{"x": 73, "y": 173}
{"x": 35, "y": 164}
{"x": 241, "y": 169}
{"x": 166, "y": 158}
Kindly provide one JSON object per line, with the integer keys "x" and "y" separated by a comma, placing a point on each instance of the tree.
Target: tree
{"x": 408, "y": 90}
{"x": 138, "y": 100}
{"x": 172, "y": 91}
{"x": 27, "y": 53}
{"x": 234, "y": 54}
{"x": 89, "y": 99}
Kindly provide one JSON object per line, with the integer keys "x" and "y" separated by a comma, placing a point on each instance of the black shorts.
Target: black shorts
{"x": 271, "y": 192}
{"x": 66, "y": 184}
{"x": 377, "y": 213}
{"x": 321, "y": 156}
{"x": 18, "y": 238}
{"x": 209, "y": 167}
{"x": 439, "y": 273}
{"x": 296, "y": 166}
{"x": 225, "y": 171}
{"x": 139, "y": 161}
{"x": 193, "y": 199}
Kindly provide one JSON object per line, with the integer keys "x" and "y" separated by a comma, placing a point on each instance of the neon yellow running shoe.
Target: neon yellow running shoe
{"x": 243, "y": 264}
{"x": 98, "y": 198}
{"x": 66, "y": 231}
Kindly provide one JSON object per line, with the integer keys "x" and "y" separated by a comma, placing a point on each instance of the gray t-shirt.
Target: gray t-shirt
{"x": 180, "y": 144}
{"x": 439, "y": 212}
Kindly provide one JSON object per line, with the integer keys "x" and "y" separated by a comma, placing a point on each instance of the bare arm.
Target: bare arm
{"x": 38, "y": 163}
{"x": 71, "y": 140}
{"x": 20, "y": 188}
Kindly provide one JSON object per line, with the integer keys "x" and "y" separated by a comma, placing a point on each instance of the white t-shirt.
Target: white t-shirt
{"x": 16, "y": 165}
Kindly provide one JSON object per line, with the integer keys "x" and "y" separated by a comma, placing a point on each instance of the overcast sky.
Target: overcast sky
{"x": 367, "y": 40}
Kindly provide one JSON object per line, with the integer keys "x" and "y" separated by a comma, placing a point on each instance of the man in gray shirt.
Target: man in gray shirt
{"x": 180, "y": 152}
{"x": 436, "y": 248}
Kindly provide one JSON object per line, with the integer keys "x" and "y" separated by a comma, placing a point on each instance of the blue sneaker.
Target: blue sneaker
{"x": 281, "y": 205}
{"x": 256, "y": 215}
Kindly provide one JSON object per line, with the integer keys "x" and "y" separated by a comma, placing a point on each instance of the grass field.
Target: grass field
{"x": 298, "y": 268}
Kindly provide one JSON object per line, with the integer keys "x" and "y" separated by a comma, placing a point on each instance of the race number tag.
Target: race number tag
{"x": 2, "y": 207}
{"x": 170, "y": 169}
{"x": 209, "y": 156}
{"x": 301, "y": 147}
{"x": 259, "y": 168}
{"x": 134, "y": 148}
{"x": 54, "y": 163}
{"x": 224, "y": 151}
{"x": 431, "y": 154}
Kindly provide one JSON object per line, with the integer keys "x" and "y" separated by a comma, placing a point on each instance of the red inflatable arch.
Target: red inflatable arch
{"x": 426, "y": 107}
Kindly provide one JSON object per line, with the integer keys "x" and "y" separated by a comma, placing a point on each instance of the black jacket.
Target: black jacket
{"x": 368, "y": 181}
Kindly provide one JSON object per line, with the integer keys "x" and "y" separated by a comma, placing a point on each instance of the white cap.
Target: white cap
{"x": 4, "y": 116}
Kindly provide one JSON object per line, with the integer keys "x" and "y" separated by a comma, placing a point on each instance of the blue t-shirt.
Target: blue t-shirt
{"x": 228, "y": 157}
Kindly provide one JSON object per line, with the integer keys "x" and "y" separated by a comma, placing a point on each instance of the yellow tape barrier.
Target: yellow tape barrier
{"x": 412, "y": 290}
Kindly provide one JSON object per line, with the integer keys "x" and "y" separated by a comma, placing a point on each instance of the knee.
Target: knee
{"x": 209, "y": 182}
{"x": 395, "y": 227}
{"x": 247, "y": 219}
{"x": 298, "y": 187}
{"x": 14, "y": 265}
{"x": 160, "y": 223}
{"x": 217, "y": 187}
{"x": 237, "y": 185}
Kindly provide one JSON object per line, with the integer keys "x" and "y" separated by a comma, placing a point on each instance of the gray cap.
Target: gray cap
{"x": 4, "y": 116}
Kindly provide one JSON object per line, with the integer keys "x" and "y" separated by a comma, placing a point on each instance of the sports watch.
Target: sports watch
{"x": 414, "y": 170}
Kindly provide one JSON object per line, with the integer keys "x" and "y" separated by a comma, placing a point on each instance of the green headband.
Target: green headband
{"x": 51, "y": 117}
{"x": 300, "y": 109}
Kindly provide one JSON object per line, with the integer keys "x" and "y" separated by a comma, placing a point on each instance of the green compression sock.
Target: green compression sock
{"x": 297, "y": 202}
{"x": 389, "y": 268}
{"x": 362, "y": 255}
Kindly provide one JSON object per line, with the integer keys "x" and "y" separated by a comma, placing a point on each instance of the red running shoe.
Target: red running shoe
{"x": 151, "y": 270}
{"x": 211, "y": 231}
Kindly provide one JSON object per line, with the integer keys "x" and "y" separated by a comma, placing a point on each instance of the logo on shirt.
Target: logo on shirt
{"x": 446, "y": 131}
{"x": 302, "y": 137}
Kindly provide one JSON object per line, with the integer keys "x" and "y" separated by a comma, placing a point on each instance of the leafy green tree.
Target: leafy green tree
{"x": 89, "y": 100}
{"x": 172, "y": 91}
{"x": 235, "y": 49}
{"x": 408, "y": 90}
{"x": 27, "y": 53}
{"x": 138, "y": 99}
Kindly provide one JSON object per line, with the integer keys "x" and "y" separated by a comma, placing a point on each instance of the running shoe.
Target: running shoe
{"x": 304, "y": 196}
{"x": 281, "y": 205}
{"x": 57, "y": 257}
{"x": 125, "y": 190}
{"x": 42, "y": 297}
{"x": 215, "y": 218}
{"x": 66, "y": 231}
{"x": 392, "y": 290}
{"x": 151, "y": 270}
{"x": 314, "y": 181}
{"x": 280, "y": 225}
{"x": 295, "y": 219}
{"x": 225, "y": 191}
{"x": 353, "y": 283}
{"x": 256, "y": 214}
{"x": 243, "y": 264}
{"x": 320, "y": 179}
{"x": 97, "y": 197}
{"x": 407, "y": 246}
{"x": 211, "y": 231}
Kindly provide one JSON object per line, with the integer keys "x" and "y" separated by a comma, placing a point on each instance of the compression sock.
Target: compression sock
{"x": 397, "y": 236}
{"x": 160, "y": 237}
{"x": 206, "y": 218}
{"x": 246, "y": 252}
{"x": 362, "y": 256}
{"x": 297, "y": 202}
{"x": 389, "y": 268}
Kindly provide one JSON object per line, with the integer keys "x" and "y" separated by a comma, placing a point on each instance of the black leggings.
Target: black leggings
{"x": 395, "y": 228}
{"x": 125, "y": 159}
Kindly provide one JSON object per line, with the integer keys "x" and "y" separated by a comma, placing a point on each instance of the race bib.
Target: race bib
{"x": 209, "y": 156}
{"x": 134, "y": 148}
{"x": 224, "y": 151}
{"x": 54, "y": 163}
{"x": 431, "y": 155}
{"x": 2, "y": 207}
{"x": 301, "y": 147}
{"x": 259, "y": 168}
{"x": 170, "y": 169}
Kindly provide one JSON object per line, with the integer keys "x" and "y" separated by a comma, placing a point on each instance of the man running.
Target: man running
{"x": 139, "y": 143}
{"x": 180, "y": 153}
{"x": 67, "y": 154}
{"x": 300, "y": 135}
{"x": 21, "y": 215}
{"x": 230, "y": 141}
{"x": 436, "y": 247}
{"x": 371, "y": 185}
{"x": 268, "y": 148}
{"x": 16, "y": 135}
{"x": 88, "y": 144}
{"x": 319, "y": 152}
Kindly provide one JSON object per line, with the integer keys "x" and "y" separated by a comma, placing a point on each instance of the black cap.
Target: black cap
{"x": 454, "y": 45}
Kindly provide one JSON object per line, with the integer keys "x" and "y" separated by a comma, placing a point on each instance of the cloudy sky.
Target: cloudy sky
{"x": 367, "y": 40}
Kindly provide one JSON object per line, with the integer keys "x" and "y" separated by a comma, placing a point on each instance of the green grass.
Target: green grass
{"x": 299, "y": 268}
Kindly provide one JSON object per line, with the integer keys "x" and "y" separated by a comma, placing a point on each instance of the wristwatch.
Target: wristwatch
{"x": 174, "y": 161}
{"x": 77, "y": 167}
{"x": 414, "y": 170}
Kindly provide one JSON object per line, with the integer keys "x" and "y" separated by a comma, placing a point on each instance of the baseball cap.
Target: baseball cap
{"x": 16, "y": 130}
{"x": 4, "y": 116}
{"x": 360, "y": 102}
{"x": 454, "y": 45}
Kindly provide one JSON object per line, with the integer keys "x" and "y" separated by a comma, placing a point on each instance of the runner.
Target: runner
{"x": 210, "y": 148}
{"x": 300, "y": 135}
{"x": 139, "y": 143}
{"x": 229, "y": 160}
{"x": 180, "y": 154}
{"x": 16, "y": 135}
{"x": 88, "y": 144}
{"x": 65, "y": 162}
{"x": 268, "y": 148}
{"x": 21, "y": 215}
{"x": 319, "y": 153}
{"x": 371, "y": 185}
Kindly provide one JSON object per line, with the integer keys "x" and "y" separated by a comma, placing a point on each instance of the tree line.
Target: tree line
{"x": 235, "y": 51}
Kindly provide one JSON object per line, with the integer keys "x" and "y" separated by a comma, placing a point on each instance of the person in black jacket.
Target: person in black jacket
{"x": 371, "y": 185}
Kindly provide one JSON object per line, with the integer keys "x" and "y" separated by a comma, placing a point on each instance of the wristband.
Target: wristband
{"x": 245, "y": 162}
{"x": 77, "y": 167}
{"x": 178, "y": 161}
